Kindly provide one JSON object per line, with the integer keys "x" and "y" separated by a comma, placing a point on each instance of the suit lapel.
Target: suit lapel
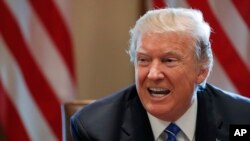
{"x": 136, "y": 126}
{"x": 209, "y": 125}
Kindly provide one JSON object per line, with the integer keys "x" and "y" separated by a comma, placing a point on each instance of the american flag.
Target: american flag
{"x": 230, "y": 39}
{"x": 36, "y": 68}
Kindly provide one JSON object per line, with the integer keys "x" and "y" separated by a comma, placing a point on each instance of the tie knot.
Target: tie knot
{"x": 172, "y": 130}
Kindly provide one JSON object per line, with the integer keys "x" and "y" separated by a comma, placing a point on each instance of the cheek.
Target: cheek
{"x": 184, "y": 82}
{"x": 140, "y": 75}
{"x": 186, "y": 74}
{"x": 174, "y": 76}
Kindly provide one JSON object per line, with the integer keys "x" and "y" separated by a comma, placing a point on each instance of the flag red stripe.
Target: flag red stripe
{"x": 159, "y": 3}
{"x": 9, "y": 118}
{"x": 225, "y": 52}
{"x": 243, "y": 8}
{"x": 38, "y": 86}
{"x": 55, "y": 26}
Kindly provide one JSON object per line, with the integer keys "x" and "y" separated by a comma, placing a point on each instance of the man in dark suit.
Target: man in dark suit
{"x": 170, "y": 100}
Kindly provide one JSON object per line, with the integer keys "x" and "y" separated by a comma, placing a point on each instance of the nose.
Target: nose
{"x": 155, "y": 73}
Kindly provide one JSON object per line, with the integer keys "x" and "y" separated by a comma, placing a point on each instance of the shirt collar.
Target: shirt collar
{"x": 188, "y": 128}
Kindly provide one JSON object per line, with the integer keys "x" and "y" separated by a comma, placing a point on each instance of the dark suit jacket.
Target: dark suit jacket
{"x": 121, "y": 117}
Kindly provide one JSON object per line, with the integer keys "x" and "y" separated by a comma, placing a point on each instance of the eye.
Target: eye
{"x": 143, "y": 61}
{"x": 170, "y": 61}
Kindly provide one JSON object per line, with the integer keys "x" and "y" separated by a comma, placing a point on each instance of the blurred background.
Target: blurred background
{"x": 56, "y": 51}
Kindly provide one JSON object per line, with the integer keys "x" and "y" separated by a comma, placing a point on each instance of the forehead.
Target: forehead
{"x": 163, "y": 41}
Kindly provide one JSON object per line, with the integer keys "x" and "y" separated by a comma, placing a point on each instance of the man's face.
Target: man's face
{"x": 167, "y": 73}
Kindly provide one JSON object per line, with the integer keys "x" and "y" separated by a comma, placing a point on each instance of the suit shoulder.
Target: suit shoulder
{"x": 227, "y": 96}
{"x": 226, "y": 102}
{"x": 105, "y": 112}
{"x": 107, "y": 106}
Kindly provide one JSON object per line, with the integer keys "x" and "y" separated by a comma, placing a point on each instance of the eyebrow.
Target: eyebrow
{"x": 172, "y": 53}
{"x": 142, "y": 52}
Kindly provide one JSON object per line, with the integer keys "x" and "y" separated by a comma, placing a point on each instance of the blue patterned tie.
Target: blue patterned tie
{"x": 172, "y": 130}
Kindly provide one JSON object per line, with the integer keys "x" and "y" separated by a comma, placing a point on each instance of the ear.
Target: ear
{"x": 202, "y": 74}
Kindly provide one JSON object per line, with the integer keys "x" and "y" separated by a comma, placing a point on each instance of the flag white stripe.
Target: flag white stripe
{"x": 64, "y": 8}
{"x": 220, "y": 78}
{"x": 233, "y": 25}
{"x": 177, "y": 3}
{"x": 12, "y": 79}
{"x": 43, "y": 50}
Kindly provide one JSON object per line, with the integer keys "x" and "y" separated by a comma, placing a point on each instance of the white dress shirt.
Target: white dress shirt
{"x": 187, "y": 124}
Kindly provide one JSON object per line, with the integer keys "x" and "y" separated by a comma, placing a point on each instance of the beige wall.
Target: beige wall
{"x": 101, "y": 36}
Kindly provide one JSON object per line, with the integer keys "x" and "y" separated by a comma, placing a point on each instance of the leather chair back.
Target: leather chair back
{"x": 68, "y": 109}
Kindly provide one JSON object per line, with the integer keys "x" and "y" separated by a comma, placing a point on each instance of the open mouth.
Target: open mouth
{"x": 158, "y": 92}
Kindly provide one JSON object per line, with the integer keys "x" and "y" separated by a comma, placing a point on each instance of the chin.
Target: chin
{"x": 159, "y": 111}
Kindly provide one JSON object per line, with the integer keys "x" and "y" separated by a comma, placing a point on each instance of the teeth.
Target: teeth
{"x": 158, "y": 95}
{"x": 158, "y": 91}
